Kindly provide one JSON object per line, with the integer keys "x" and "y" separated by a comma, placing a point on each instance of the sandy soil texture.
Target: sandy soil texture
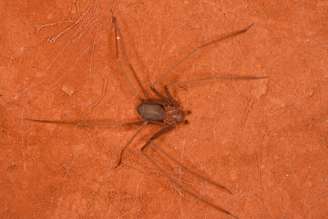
{"x": 265, "y": 140}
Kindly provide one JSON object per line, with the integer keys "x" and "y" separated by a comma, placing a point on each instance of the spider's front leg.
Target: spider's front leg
{"x": 162, "y": 131}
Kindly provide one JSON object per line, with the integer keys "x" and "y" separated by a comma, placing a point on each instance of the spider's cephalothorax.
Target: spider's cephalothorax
{"x": 165, "y": 110}
{"x": 162, "y": 113}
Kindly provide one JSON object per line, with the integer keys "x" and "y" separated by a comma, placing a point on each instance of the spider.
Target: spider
{"x": 164, "y": 110}
{"x": 160, "y": 109}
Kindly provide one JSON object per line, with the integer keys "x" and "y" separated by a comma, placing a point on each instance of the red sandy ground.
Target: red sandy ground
{"x": 265, "y": 140}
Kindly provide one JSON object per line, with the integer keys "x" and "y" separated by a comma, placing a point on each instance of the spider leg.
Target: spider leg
{"x": 227, "y": 36}
{"x": 204, "y": 45}
{"x": 157, "y": 134}
{"x": 189, "y": 192}
{"x": 157, "y": 93}
{"x": 184, "y": 167}
{"x": 219, "y": 39}
{"x": 138, "y": 81}
{"x": 170, "y": 96}
{"x": 224, "y": 77}
{"x": 128, "y": 143}
{"x": 89, "y": 123}
{"x": 114, "y": 22}
{"x": 123, "y": 60}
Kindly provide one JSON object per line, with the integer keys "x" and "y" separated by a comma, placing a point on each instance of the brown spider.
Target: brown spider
{"x": 162, "y": 109}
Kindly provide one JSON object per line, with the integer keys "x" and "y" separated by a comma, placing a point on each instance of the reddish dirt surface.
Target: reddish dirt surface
{"x": 265, "y": 140}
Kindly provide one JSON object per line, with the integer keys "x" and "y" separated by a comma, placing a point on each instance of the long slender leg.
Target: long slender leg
{"x": 188, "y": 191}
{"x": 206, "y": 179}
{"x": 185, "y": 84}
{"x": 157, "y": 134}
{"x": 114, "y": 26}
{"x": 157, "y": 93}
{"x": 207, "y": 44}
{"x": 119, "y": 161}
{"x": 138, "y": 81}
{"x": 116, "y": 37}
{"x": 170, "y": 96}
{"x": 167, "y": 92}
{"x": 226, "y": 36}
{"x": 89, "y": 123}
{"x": 167, "y": 97}
{"x": 122, "y": 56}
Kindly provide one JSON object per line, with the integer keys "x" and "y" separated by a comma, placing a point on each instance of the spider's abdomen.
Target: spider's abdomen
{"x": 151, "y": 112}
